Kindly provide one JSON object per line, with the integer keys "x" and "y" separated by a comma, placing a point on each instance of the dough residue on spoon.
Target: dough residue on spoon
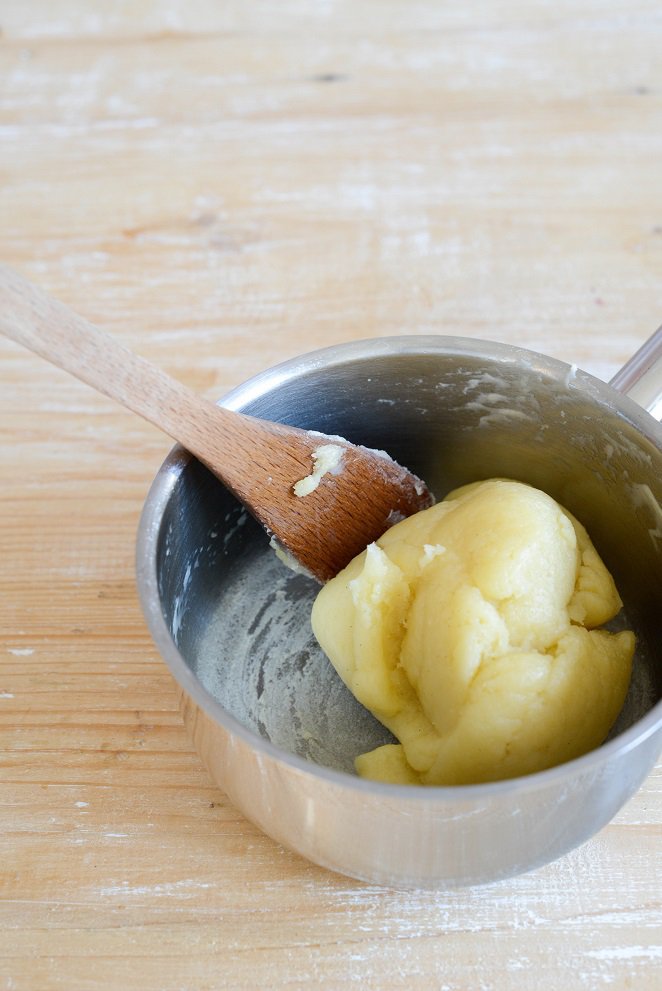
{"x": 326, "y": 458}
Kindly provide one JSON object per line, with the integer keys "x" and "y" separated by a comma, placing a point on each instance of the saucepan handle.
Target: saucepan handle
{"x": 640, "y": 378}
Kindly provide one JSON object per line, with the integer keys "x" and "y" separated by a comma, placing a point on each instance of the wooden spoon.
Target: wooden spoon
{"x": 259, "y": 461}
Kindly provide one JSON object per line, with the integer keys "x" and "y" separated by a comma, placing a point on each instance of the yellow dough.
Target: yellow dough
{"x": 469, "y": 631}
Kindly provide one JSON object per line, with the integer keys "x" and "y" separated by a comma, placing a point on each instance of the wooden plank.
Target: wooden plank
{"x": 223, "y": 186}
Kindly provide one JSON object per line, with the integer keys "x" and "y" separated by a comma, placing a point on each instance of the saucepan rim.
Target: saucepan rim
{"x": 168, "y": 475}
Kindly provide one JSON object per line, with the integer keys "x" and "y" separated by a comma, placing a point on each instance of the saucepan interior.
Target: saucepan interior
{"x": 452, "y": 410}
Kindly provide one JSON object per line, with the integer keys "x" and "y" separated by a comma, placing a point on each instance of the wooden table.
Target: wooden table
{"x": 222, "y": 186}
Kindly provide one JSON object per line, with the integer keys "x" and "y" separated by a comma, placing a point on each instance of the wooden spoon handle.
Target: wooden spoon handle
{"x": 223, "y": 440}
{"x": 47, "y": 327}
{"x": 257, "y": 460}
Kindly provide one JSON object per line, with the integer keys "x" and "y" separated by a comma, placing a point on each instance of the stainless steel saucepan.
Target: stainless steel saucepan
{"x": 268, "y": 715}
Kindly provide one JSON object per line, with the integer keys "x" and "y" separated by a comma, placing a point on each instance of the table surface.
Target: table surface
{"x": 223, "y": 186}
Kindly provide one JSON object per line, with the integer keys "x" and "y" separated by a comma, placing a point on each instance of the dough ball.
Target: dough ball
{"x": 469, "y": 631}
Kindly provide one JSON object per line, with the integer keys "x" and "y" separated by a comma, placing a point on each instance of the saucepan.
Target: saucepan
{"x": 269, "y": 716}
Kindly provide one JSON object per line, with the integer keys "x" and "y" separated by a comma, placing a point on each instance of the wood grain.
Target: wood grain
{"x": 223, "y": 186}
